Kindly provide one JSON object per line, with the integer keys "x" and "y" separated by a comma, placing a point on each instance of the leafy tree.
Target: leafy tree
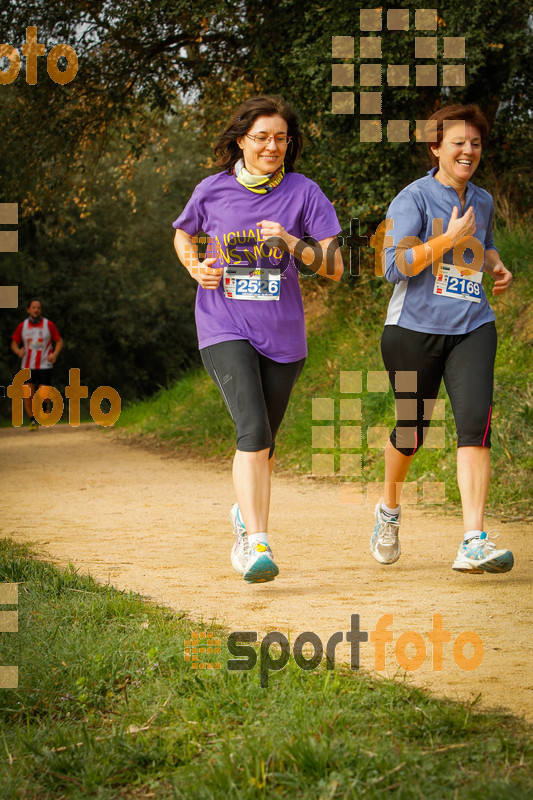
{"x": 104, "y": 264}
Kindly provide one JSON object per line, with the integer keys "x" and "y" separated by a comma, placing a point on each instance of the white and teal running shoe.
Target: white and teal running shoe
{"x": 385, "y": 542}
{"x": 261, "y": 566}
{"x": 239, "y": 552}
{"x": 480, "y": 555}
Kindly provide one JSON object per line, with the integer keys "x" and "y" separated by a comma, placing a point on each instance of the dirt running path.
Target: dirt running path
{"x": 159, "y": 526}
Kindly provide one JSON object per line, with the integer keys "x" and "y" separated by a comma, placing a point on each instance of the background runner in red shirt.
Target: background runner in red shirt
{"x": 38, "y": 343}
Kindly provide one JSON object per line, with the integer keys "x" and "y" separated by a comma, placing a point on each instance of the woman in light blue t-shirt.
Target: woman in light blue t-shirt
{"x": 440, "y": 325}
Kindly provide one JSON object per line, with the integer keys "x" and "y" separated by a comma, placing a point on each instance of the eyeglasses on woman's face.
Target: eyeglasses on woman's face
{"x": 281, "y": 139}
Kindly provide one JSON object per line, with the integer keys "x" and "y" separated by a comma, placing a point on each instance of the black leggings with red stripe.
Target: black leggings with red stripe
{"x": 417, "y": 362}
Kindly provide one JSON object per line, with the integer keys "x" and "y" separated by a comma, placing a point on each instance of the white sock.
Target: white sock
{"x": 256, "y": 538}
{"x": 392, "y": 512}
{"x": 471, "y": 534}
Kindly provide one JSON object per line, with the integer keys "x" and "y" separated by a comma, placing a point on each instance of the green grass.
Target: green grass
{"x": 107, "y": 707}
{"x": 190, "y": 416}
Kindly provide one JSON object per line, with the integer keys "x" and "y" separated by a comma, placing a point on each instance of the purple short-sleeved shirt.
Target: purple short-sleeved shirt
{"x": 228, "y": 212}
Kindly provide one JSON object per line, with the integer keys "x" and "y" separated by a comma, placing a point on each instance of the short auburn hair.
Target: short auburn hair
{"x": 228, "y": 152}
{"x": 470, "y": 113}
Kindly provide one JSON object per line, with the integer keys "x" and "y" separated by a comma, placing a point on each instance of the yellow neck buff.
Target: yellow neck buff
{"x": 259, "y": 184}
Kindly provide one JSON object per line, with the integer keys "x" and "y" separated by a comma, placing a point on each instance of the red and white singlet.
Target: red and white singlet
{"x": 37, "y": 341}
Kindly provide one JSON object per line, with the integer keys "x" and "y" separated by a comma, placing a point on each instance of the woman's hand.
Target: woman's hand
{"x": 271, "y": 229}
{"x": 494, "y": 266}
{"x": 201, "y": 271}
{"x": 461, "y": 227}
{"x": 502, "y": 278}
{"x": 206, "y": 275}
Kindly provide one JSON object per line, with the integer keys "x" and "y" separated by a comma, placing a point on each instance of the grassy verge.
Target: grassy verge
{"x": 345, "y": 338}
{"x": 107, "y": 707}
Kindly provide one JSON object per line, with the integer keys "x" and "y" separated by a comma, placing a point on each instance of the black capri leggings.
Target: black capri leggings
{"x": 467, "y": 364}
{"x": 256, "y": 390}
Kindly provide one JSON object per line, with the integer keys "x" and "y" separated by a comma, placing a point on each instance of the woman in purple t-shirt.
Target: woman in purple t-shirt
{"x": 249, "y": 310}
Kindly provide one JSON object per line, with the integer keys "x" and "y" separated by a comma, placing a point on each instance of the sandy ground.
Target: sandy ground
{"x": 159, "y": 525}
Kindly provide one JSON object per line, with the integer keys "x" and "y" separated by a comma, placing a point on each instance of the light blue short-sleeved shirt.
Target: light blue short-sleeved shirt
{"x": 414, "y": 305}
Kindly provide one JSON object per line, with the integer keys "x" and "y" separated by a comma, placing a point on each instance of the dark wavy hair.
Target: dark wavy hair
{"x": 228, "y": 152}
{"x": 470, "y": 113}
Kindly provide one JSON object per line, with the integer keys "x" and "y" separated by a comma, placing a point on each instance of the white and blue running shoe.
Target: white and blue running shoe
{"x": 385, "y": 542}
{"x": 480, "y": 555}
{"x": 261, "y": 566}
{"x": 239, "y": 552}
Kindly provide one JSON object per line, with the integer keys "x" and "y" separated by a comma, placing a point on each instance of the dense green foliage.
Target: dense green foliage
{"x": 107, "y": 707}
{"x": 104, "y": 265}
